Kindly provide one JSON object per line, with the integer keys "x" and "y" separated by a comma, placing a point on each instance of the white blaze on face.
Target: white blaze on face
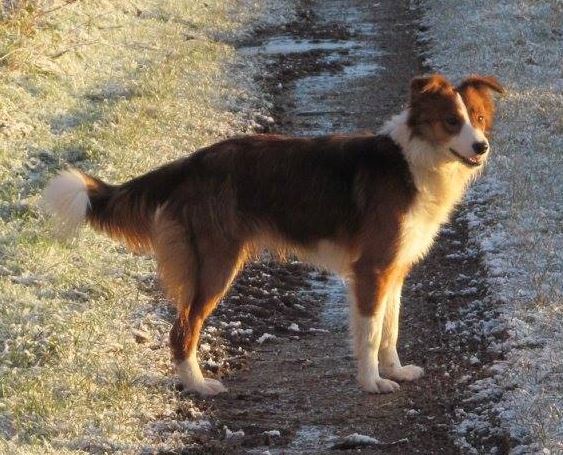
{"x": 463, "y": 142}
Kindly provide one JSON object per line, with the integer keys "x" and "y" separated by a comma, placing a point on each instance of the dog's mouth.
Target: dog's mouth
{"x": 474, "y": 161}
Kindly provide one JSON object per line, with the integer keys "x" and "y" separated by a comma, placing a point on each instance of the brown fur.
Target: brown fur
{"x": 434, "y": 109}
{"x": 205, "y": 215}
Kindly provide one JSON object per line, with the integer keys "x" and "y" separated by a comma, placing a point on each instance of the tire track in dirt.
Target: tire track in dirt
{"x": 345, "y": 66}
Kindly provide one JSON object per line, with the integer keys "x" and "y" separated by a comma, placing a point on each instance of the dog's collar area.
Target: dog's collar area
{"x": 473, "y": 162}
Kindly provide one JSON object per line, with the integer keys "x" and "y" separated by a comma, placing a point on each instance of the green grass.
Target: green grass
{"x": 116, "y": 88}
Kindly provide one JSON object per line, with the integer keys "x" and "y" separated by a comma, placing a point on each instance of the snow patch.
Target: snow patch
{"x": 266, "y": 337}
{"x": 293, "y": 327}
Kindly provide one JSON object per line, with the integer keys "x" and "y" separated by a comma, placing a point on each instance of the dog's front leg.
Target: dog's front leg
{"x": 370, "y": 290}
{"x": 390, "y": 365}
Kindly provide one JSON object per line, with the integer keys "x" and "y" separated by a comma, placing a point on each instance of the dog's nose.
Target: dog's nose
{"x": 480, "y": 147}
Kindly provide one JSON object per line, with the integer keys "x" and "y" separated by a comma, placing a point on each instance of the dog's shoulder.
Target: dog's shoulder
{"x": 378, "y": 155}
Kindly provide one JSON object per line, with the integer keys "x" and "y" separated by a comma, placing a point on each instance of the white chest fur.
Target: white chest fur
{"x": 438, "y": 192}
{"x": 440, "y": 182}
{"x": 418, "y": 231}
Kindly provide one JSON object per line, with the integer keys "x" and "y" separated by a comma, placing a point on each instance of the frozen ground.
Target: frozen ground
{"x": 115, "y": 88}
{"x": 102, "y": 90}
{"x": 516, "y": 209}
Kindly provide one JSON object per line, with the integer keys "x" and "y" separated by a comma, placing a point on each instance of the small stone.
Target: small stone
{"x": 141, "y": 336}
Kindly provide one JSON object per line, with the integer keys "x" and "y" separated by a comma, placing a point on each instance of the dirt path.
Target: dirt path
{"x": 345, "y": 66}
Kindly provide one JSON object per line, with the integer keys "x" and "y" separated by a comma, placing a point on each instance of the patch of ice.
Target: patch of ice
{"x": 315, "y": 330}
{"x": 290, "y": 45}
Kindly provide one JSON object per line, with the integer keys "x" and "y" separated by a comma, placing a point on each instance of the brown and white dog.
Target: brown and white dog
{"x": 366, "y": 207}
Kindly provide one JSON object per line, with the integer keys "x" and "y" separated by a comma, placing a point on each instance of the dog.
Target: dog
{"x": 366, "y": 207}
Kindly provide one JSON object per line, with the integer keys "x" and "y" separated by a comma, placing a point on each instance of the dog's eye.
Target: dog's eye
{"x": 452, "y": 121}
{"x": 480, "y": 119}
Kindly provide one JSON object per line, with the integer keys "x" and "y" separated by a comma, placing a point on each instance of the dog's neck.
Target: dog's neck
{"x": 440, "y": 180}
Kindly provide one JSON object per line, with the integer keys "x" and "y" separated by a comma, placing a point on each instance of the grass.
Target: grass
{"x": 116, "y": 88}
{"x": 522, "y": 193}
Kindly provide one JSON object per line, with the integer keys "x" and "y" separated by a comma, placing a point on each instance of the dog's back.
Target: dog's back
{"x": 301, "y": 190}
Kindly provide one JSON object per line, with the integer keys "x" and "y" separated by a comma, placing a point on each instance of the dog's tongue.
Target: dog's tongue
{"x": 475, "y": 159}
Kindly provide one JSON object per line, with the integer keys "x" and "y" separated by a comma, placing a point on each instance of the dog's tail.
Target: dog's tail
{"x": 124, "y": 212}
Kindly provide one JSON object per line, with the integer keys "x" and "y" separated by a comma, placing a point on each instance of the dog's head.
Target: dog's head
{"x": 455, "y": 120}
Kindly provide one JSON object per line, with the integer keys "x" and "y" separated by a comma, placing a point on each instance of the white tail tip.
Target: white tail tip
{"x": 66, "y": 199}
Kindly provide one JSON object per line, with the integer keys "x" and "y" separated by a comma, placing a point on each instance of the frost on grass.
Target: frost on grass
{"x": 115, "y": 89}
{"x": 516, "y": 208}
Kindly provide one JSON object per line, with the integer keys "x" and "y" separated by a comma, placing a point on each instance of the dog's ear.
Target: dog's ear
{"x": 475, "y": 91}
{"x": 481, "y": 83}
{"x": 428, "y": 84}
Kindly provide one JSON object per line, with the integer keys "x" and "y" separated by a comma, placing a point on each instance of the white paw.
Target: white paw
{"x": 207, "y": 387}
{"x": 379, "y": 385}
{"x": 406, "y": 373}
{"x": 193, "y": 380}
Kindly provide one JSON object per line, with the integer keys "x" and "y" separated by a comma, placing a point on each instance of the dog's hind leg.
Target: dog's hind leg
{"x": 196, "y": 280}
{"x": 389, "y": 363}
